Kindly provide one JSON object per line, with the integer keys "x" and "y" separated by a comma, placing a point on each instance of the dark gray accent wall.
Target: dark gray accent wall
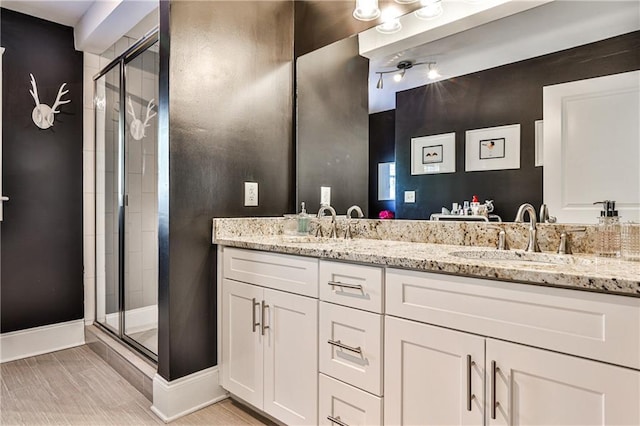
{"x": 382, "y": 143}
{"x": 333, "y": 126}
{"x": 229, "y": 120}
{"x": 41, "y": 255}
{"x": 509, "y": 94}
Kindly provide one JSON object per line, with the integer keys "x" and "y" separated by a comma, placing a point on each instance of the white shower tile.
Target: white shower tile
{"x": 88, "y": 172}
{"x": 134, "y": 157}
{"x": 134, "y": 226}
{"x": 88, "y": 130}
{"x": 149, "y": 211}
{"x": 135, "y": 271}
{"x": 149, "y": 181}
{"x": 89, "y": 299}
{"x": 149, "y": 250}
{"x": 150, "y": 286}
{"x": 91, "y": 60}
{"x": 134, "y": 300}
{"x": 89, "y": 246}
{"x": 88, "y": 214}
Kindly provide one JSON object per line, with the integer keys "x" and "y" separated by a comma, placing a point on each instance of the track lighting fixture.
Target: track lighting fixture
{"x": 366, "y": 10}
{"x": 401, "y": 69}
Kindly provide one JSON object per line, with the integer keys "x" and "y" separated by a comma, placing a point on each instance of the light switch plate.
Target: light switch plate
{"x": 409, "y": 196}
{"x": 325, "y": 195}
{"x": 250, "y": 194}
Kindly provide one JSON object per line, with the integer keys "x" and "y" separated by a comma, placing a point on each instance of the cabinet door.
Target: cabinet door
{"x": 538, "y": 387}
{"x": 291, "y": 357}
{"x": 242, "y": 341}
{"x": 347, "y": 404}
{"x": 428, "y": 379}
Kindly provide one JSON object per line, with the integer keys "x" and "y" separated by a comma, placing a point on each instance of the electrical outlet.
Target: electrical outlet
{"x": 250, "y": 194}
{"x": 325, "y": 195}
{"x": 409, "y": 196}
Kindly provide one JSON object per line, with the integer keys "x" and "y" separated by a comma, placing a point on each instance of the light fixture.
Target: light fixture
{"x": 433, "y": 73}
{"x": 401, "y": 69}
{"x": 366, "y": 10}
{"x": 431, "y": 9}
{"x": 406, "y": 1}
{"x": 390, "y": 21}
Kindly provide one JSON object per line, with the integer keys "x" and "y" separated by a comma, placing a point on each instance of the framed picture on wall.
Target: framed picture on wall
{"x": 493, "y": 148}
{"x": 433, "y": 154}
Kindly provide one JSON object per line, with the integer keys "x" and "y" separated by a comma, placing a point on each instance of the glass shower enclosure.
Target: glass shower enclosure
{"x": 126, "y": 99}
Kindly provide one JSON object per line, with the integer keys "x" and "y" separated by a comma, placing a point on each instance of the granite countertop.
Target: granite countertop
{"x": 583, "y": 271}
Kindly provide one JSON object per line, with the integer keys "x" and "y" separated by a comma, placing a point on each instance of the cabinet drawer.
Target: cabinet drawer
{"x": 289, "y": 273}
{"x": 362, "y": 285}
{"x": 347, "y": 404}
{"x": 592, "y": 325}
{"x": 355, "y": 352}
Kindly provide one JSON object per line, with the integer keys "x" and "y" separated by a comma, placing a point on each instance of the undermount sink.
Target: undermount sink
{"x": 517, "y": 256}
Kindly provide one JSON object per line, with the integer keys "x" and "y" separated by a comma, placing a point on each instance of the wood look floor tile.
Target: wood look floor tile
{"x": 77, "y": 387}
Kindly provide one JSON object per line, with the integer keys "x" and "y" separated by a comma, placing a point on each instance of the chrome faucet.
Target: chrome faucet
{"x": 532, "y": 246}
{"x": 565, "y": 247}
{"x": 544, "y": 217}
{"x": 358, "y": 210}
{"x": 502, "y": 237}
{"x": 334, "y": 228}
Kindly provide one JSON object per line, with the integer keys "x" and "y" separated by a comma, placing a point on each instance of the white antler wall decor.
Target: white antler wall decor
{"x": 42, "y": 114}
{"x": 137, "y": 127}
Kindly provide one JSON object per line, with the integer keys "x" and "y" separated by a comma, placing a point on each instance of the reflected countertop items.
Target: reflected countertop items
{"x": 580, "y": 271}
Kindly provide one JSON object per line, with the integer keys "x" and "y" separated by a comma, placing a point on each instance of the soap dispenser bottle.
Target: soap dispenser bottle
{"x": 303, "y": 220}
{"x": 608, "y": 237}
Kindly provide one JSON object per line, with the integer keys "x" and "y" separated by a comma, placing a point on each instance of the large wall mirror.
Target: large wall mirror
{"x": 463, "y": 94}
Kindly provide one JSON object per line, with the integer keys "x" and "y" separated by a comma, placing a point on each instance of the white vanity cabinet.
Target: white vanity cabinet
{"x": 350, "y": 344}
{"x": 270, "y": 337}
{"x": 434, "y": 375}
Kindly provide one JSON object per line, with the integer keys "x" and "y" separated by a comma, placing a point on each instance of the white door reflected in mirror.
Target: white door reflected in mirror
{"x": 386, "y": 181}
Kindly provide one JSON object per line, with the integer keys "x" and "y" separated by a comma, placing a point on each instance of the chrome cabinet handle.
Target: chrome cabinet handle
{"x": 341, "y": 345}
{"x": 470, "y": 395}
{"x": 494, "y": 403}
{"x": 345, "y": 285}
{"x": 336, "y": 420}
{"x": 254, "y": 324}
{"x": 264, "y": 308}
{"x": 4, "y": 198}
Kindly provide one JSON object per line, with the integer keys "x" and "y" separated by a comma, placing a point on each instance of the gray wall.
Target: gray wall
{"x": 41, "y": 257}
{"x": 333, "y": 126}
{"x": 229, "y": 120}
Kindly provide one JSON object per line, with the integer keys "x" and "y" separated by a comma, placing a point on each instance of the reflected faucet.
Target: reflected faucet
{"x": 532, "y": 246}
{"x": 544, "y": 217}
{"x": 358, "y": 210}
{"x": 334, "y": 229}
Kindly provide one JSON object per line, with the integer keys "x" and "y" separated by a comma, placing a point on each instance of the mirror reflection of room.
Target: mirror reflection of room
{"x": 472, "y": 83}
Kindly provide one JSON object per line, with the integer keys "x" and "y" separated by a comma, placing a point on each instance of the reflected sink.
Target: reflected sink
{"x": 517, "y": 256}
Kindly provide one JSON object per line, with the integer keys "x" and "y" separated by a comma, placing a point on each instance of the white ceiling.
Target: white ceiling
{"x": 65, "y": 12}
{"x": 97, "y": 24}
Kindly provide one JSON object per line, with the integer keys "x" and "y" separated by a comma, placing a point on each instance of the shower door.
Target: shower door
{"x": 141, "y": 199}
{"x": 126, "y": 197}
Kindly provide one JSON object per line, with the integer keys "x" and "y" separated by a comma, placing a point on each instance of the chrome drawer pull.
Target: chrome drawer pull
{"x": 494, "y": 403}
{"x": 336, "y": 420}
{"x": 264, "y": 308}
{"x": 254, "y": 324}
{"x": 470, "y": 395}
{"x": 341, "y": 345}
{"x": 345, "y": 285}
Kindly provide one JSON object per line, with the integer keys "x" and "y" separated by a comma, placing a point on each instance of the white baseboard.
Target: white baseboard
{"x": 41, "y": 340}
{"x": 172, "y": 400}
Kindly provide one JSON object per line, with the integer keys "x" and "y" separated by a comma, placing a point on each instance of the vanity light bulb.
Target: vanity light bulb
{"x": 366, "y": 10}
{"x": 431, "y": 9}
{"x": 398, "y": 77}
{"x": 433, "y": 74}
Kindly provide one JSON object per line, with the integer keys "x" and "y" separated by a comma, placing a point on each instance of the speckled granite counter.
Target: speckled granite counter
{"x": 584, "y": 271}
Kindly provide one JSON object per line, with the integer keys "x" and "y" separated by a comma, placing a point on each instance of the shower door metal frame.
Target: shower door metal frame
{"x": 121, "y": 61}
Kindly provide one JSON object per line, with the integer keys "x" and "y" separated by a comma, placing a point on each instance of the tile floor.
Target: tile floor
{"x": 76, "y": 387}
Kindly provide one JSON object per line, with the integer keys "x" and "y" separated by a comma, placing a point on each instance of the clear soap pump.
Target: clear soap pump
{"x": 608, "y": 238}
{"x": 303, "y": 220}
